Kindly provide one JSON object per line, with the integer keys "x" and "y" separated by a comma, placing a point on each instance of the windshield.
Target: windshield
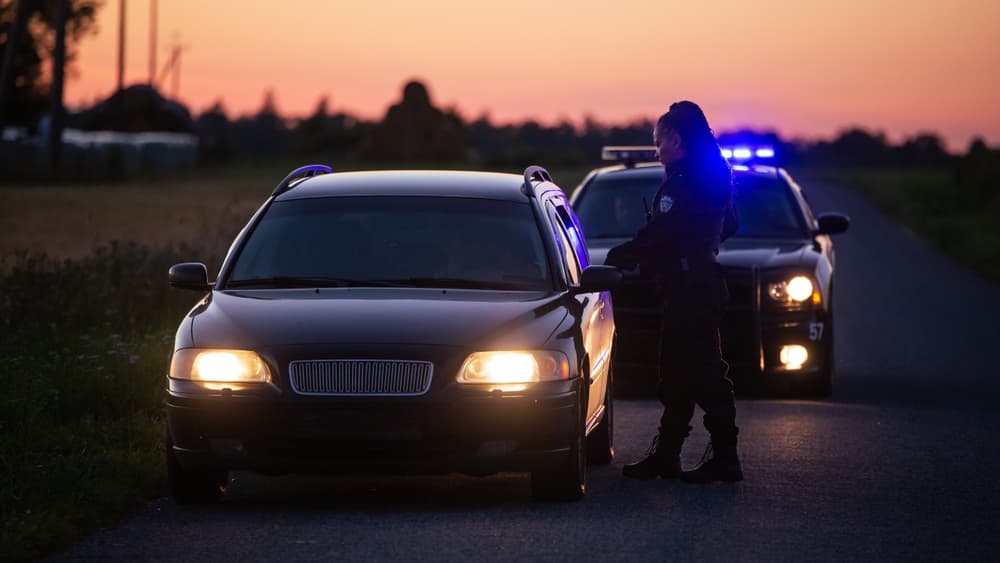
{"x": 394, "y": 241}
{"x": 613, "y": 207}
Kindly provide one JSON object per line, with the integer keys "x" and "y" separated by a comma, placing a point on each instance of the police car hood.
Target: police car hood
{"x": 735, "y": 252}
{"x": 275, "y": 317}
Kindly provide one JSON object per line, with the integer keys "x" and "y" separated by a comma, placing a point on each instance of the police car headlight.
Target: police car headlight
{"x": 798, "y": 289}
{"x": 219, "y": 368}
{"x": 519, "y": 368}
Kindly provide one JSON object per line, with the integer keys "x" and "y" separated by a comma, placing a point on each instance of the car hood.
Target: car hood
{"x": 735, "y": 253}
{"x": 404, "y": 316}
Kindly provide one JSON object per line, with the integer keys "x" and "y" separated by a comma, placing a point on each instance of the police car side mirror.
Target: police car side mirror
{"x": 598, "y": 278}
{"x": 189, "y": 275}
{"x": 832, "y": 223}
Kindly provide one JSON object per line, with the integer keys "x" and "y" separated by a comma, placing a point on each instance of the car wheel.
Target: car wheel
{"x": 193, "y": 487}
{"x": 601, "y": 442}
{"x": 568, "y": 480}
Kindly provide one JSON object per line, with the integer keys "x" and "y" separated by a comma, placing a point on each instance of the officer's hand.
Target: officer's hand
{"x": 621, "y": 257}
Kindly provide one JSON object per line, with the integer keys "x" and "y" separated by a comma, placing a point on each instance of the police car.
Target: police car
{"x": 778, "y": 327}
{"x": 401, "y": 322}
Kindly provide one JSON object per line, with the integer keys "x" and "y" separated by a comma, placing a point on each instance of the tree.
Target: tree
{"x": 23, "y": 84}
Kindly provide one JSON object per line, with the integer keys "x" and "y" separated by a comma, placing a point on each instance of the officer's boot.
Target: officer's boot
{"x": 663, "y": 459}
{"x": 720, "y": 463}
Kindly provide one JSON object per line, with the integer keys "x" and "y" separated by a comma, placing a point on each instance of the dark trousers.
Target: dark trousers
{"x": 692, "y": 370}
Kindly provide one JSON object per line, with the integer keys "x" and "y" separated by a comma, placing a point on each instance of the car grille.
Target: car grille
{"x": 360, "y": 377}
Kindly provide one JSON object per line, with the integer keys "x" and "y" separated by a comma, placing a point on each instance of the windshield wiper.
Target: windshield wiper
{"x": 458, "y": 283}
{"x": 283, "y": 282}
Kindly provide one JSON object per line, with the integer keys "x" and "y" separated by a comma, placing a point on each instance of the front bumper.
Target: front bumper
{"x": 456, "y": 430}
{"x": 751, "y": 339}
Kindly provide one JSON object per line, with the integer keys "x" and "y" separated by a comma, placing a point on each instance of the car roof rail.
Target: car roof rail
{"x": 629, "y": 155}
{"x": 300, "y": 173}
{"x": 531, "y": 173}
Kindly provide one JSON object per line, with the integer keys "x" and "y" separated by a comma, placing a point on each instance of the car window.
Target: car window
{"x": 767, "y": 209}
{"x": 614, "y": 207}
{"x": 575, "y": 234}
{"x": 572, "y": 265}
{"x": 803, "y": 200}
{"x": 470, "y": 242}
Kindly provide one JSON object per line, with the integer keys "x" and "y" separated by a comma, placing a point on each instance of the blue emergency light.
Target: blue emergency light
{"x": 629, "y": 155}
{"x": 747, "y": 153}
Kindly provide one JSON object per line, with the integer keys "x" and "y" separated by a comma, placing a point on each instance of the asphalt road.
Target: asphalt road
{"x": 901, "y": 463}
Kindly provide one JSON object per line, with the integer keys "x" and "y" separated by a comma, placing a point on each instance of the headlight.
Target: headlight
{"x": 796, "y": 290}
{"x": 514, "y": 368}
{"x": 793, "y": 356}
{"x": 217, "y": 367}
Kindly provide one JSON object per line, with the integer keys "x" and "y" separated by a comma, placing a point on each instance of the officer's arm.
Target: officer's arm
{"x": 628, "y": 254}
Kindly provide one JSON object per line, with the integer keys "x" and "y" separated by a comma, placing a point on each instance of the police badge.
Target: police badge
{"x": 666, "y": 202}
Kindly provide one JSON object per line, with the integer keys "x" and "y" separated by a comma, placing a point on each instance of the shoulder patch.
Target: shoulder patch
{"x": 666, "y": 202}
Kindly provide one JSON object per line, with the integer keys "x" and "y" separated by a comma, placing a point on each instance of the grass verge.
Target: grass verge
{"x": 932, "y": 204}
{"x": 83, "y": 353}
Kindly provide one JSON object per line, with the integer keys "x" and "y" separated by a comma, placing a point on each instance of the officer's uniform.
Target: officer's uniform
{"x": 692, "y": 214}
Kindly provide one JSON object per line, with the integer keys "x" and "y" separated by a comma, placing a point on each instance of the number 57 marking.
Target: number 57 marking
{"x": 815, "y": 331}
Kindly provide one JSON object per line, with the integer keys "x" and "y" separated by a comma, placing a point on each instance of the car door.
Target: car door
{"x": 597, "y": 319}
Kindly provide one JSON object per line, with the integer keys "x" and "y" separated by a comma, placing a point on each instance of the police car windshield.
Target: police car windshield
{"x": 446, "y": 242}
{"x": 767, "y": 209}
{"x": 615, "y": 207}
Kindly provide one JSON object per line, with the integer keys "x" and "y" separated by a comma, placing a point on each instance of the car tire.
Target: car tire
{"x": 568, "y": 480}
{"x": 193, "y": 487}
{"x": 601, "y": 442}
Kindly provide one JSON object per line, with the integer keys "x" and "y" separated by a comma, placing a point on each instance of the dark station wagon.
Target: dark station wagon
{"x": 397, "y": 322}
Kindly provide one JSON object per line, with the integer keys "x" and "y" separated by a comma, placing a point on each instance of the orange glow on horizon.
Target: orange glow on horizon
{"x": 806, "y": 69}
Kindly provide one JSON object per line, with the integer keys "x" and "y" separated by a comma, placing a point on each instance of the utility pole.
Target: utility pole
{"x": 7, "y": 71}
{"x": 121, "y": 45}
{"x": 173, "y": 68}
{"x": 152, "y": 42}
{"x": 177, "y": 74}
{"x": 58, "y": 74}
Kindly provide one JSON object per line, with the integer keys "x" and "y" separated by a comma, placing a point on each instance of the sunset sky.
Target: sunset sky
{"x": 805, "y": 68}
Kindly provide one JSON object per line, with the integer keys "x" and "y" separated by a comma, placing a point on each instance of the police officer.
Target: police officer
{"x": 692, "y": 214}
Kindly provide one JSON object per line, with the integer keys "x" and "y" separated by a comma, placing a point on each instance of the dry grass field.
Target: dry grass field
{"x": 69, "y": 221}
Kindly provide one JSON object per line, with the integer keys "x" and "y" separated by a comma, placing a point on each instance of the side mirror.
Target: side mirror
{"x": 832, "y": 223}
{"x": 598, "y": 278}
{"x": 189, "y": 275}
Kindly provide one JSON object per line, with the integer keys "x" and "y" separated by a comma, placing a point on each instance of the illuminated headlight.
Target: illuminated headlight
{"x": 514, "y": 368}
{"x": 793, "y": 356}
{"x": 796, "y": 290}
{"x": 219, "y": 366}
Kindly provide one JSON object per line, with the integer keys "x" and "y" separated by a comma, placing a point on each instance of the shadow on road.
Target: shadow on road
{"x": 383, "y": 493}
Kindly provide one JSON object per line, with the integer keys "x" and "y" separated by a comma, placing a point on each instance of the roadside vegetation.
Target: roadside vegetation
{"x": 953, "y": 209}
{"x": 83, "y": 349}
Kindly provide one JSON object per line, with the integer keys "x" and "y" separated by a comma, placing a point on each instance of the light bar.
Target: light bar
{"x": 742, "y": 153}
{"x": 629, "y": 153}
{"x": 747, "y": 152}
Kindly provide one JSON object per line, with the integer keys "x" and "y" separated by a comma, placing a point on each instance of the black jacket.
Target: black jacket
{"x": 692, "y": 214}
